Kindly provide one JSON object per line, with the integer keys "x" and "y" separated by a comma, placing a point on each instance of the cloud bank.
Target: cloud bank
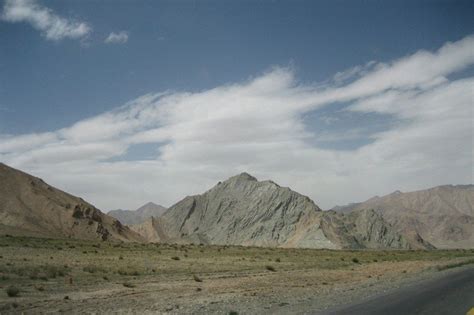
{"x": 51, "y": 26}
{"x": 259, "y": 126}
{"x": 117, "y": 38}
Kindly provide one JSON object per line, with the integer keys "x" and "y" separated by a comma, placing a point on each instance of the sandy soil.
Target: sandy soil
{"x": 227, "y": 279}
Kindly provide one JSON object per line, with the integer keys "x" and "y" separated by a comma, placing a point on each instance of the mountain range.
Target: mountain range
{"x": 443, "y": 215}
{"x": 140, "y": 215}
{"x": 245, "y": 211}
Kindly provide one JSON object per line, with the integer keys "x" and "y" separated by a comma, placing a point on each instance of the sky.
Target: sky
{"x": 125, "y": 102}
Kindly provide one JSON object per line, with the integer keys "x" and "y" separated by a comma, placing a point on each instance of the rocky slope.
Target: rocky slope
{"x": 138, "y": 216}
{"x": 244, "y": 211}
{"x": 29, "y": 206}
{"x": 443, "y": 215}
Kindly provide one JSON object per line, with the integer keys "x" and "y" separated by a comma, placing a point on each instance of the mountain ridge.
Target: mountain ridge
{"x": 442, "y": 215}
{"x": 29, "y": 206}
{"x": 132, "y": 217}
{"x": 244, "y": 211}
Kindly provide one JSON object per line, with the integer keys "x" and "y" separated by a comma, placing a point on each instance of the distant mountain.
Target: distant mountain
{"x": 29, "y": 206}
{"x": 138, "y": 216}
{"x": 245, "y": 211}
{"x": 443, "y": 215}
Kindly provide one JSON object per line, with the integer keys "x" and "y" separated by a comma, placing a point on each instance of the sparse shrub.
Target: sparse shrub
{"x": 128, "y": 285}
{"x": 66, "y": 297}
{"x": 123, "y": 272}
{"x": 355, "y": 260}
{"x": 12, "y": 291}
{"x": 270, "y": 268}
{"x": 40, "y": 288}
{"x": 89, "y": 269}
{"x": 175, "y": 258}
{"x": 197, "y": 279}
{"x": 120, "y": 257}
{"x": 53, "y": 271}
{"x": 278, "y": 260}
{"x": 198, "y": 289}
{"x": 233, "y": 313}
{"x": 105, "y": 278}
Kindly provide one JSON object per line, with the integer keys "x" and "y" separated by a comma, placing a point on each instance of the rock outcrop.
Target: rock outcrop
{"x": 30, "y": 207}
{"x": 245, "y": 211}
{"x": 442, "y": 216}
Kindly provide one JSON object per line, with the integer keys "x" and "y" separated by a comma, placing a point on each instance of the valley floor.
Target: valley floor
{"x": 73, "y": 276}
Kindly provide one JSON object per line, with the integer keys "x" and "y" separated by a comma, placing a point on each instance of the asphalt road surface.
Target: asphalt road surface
{"x": 451, "y": 295}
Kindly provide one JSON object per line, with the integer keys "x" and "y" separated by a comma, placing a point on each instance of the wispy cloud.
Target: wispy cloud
{"x": 117, "y": 38}
{"x": 258, "y": 126}
{"x": 51, "y": 26}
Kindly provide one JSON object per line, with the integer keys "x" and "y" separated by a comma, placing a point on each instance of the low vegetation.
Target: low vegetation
{"x": 455, "y": 265}
{"x": 12, "y": 291}
{"x": 165, "y": 266}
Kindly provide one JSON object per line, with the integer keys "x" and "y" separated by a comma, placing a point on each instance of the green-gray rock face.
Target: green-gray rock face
{"x": 245, "y": 211}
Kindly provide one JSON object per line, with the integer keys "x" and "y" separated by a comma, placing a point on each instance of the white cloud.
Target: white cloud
{"x": 258, "y": 126}
{"x": 117, "y": 38}
{"x": 52, "y": 26}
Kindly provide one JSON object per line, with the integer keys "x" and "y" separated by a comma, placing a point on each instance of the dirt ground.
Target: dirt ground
{"x": 70, "y": 276}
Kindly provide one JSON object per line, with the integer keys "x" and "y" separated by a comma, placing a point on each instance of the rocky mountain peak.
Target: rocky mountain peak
{"x": 244, "y": 176}
{"x": 140, "y": 215}
{"x": 244, "y": 211}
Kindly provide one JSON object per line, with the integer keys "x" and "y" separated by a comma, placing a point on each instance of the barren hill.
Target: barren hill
{"x": 29, "y": 206}
{"x": 245, "y": 211}
{"x": 138, "y": 216}
{"x": 443, "y": 215}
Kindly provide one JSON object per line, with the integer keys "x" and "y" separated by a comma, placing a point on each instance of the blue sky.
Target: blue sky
{"x": 265, "y": 84}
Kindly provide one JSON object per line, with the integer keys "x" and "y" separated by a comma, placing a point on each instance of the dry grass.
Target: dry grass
{"x": 85, "y": 266}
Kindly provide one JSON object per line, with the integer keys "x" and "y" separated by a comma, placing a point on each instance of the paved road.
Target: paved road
{"x": 452, "y": 294}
